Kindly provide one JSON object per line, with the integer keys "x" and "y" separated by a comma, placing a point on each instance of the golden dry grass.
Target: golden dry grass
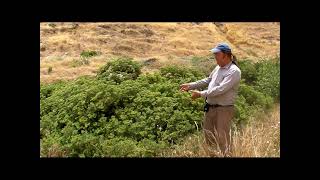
{"x": 167, "y": 42}
{"x": 145, "y": 40}
{"x": 65, "y": 69}
{"x": 260, "y": 138}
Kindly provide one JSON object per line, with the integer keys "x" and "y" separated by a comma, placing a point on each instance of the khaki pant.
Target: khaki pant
{"x": 216, "y": 126}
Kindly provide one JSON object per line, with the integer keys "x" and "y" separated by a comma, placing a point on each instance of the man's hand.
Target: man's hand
{"x": 195, "y": 95}
{"x": 184, "y": 87}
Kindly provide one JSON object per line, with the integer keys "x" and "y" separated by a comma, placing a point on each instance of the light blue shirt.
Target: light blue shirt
{"x": 223, "y": 84}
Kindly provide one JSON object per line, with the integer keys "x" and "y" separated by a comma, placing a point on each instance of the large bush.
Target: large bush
{"x": 136, "y": 115}
{"x": 99, "y": 117}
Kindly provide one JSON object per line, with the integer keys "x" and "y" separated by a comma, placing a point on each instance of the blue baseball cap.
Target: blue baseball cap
{"x": 221, "y": 47}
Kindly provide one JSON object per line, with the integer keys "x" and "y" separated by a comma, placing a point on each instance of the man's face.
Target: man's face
{"x": 219, "y": 56}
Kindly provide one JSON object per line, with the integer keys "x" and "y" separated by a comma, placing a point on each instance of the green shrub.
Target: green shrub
{"x": 87, "y": 54}
{"x": 268, "y": 77}
{"x": 254, "y": 97}
{"x": 47, "y": 89}
{"x": 181, "y": 74}
{"x": 119, "y": 70}
{"x": 133, "y": 109}
{"x": 248, "y": 71}
{"x": 264, "y": 76}
{"x": 49, "y": 144}
{"x": 242, "y": 111}
{"x": 120, "y": 147}
{"x": 83, "y": 145}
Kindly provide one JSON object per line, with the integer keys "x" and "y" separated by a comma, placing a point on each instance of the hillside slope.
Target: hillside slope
{"x": 62, "y": 43}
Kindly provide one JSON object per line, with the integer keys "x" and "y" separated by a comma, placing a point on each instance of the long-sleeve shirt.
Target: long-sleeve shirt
{"x": 223, "y": 83}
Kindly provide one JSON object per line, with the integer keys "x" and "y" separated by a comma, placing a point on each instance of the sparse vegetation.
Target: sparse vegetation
{"x": 49, "y": 70}
{"x": 52, "y": 25}
{"x": 88, "y": 54}
{"x": 84, "y": 58}
{"x": 79, "y": 62}
{"x": 204, "y": 63}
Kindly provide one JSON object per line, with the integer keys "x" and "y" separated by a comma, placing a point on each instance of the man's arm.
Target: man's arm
{"x": 228, "y": 82}
{"x": 201, "y": 83}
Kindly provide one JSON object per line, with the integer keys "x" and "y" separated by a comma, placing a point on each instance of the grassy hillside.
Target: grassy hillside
{"x": 61, "y": 44}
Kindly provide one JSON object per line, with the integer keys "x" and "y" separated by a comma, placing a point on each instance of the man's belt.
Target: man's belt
{"x": 218, "y": 105}
{"x": 207, "y": 106}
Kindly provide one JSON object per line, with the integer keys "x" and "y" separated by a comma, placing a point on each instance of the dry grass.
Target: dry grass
{"x": 260, "y": 138}
{"x": 167, "y": 42}
{"x": 65, "y": 68}
{"x": 55, "y": 151}
{"x": 252, "y": 41}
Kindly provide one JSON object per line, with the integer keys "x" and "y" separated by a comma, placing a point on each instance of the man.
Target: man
{"x": 223, "y": 83}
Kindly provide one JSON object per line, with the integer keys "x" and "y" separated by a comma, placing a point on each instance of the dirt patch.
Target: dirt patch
{"x": 147, "y": 32}
{"x": 150, "y": 61}
{"x": 123, "y": 48}
{"x": 130, "y": 32}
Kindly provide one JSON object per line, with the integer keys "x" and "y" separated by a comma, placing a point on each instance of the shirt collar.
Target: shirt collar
{"x": 227, "y": 65}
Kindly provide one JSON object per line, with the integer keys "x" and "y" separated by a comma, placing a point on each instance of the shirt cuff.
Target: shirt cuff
{"x": 203, "y": 93}
{"x": 191, "y": 85}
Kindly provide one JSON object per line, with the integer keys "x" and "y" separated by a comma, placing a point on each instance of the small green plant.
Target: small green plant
{"x": 52, "y": 25}
{"x": 80, "y": 62}
{"x": 49, "y": 70}
{"x": 87, "y": 54}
